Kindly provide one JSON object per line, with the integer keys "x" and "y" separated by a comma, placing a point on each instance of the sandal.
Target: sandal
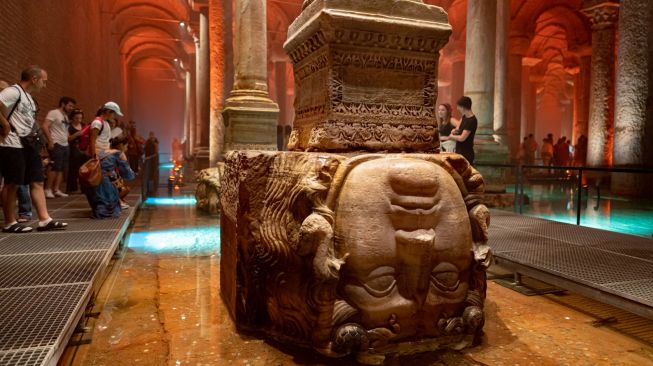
{"x": 17, "y": 229}
{"x": 53, "y": 225}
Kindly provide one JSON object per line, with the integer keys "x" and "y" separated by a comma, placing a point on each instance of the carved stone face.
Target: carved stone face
{"x": 407, "y": 231}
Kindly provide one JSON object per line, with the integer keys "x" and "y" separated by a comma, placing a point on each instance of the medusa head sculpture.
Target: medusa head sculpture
{"x": 359, "y": 254}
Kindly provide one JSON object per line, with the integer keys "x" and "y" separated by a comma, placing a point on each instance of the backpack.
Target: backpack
{"x": 85, "y": 137}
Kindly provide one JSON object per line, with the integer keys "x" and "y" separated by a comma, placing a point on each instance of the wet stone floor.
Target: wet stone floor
{"x": 160, "y": 305}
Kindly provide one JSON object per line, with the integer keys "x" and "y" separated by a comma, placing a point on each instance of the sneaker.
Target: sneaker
{"x": 48, "y": 193}
{"x": 60, "y": 194}
{"x": 124, "y": 205}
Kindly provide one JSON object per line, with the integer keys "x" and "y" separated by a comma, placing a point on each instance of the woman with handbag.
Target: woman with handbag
{"x": 97, "y": 174}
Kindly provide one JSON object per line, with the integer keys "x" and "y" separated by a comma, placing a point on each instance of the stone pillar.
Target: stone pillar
{"x": 217, "y": 58}
{"x": 479, "y": 64}
{"x": 250, "y": 115}
{"x": 528, "y": 99}
{"x": 280, "y": 81}
{"x": 581, "y": 97}
{"x": 633, "y": 90}
{"x": 189, "y": 106}
{"x": 203, "y": 78}
{"x": 191, "y": 84}
{"x": 603, "y": 18}
{"x": 457, "y": 80}
{"x": 501, "y": 73}
{"x": 518, "y": 48}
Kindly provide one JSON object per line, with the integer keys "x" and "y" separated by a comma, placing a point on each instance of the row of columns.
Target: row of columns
{"x": 502, "y": 99}
{"x": 248, "y": 117}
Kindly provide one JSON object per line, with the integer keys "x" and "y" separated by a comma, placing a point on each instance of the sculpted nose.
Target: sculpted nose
{"x": 414, "y": 255}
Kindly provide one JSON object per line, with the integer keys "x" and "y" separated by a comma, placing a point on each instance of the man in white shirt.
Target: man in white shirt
{"x": 55, "y": 128}
{"x": 20, "y": 160}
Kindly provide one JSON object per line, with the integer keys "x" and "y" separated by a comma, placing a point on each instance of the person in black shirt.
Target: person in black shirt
{"x": 464, "y": 134}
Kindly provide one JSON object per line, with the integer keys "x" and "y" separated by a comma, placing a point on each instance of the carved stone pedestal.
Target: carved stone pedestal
{"x": 369, "y": 255}
{"x": 365, "y": 241}
{"x": 207, "y": 193}
{"x": 367, "y": 72}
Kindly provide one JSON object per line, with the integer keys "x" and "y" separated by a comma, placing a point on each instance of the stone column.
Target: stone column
{"x": 581, "y": 97}
{"x": 457, "y": 80}
{"x": 280, "y": 81}
{"x": 217, "y": 58}
{"x": 203, "y": 78}
{"x": 191, "y": 83}
{"x": 528, "y": 98}
{"x": 250, "y": 115}
{"x": 479, "y": 64}
{"x": 518, "y": 48}
{"x": 603, "y": 18}
{"x": 501, "y": 73}
{"x": 633, "y": 89}
{"x": 189, "y": 105}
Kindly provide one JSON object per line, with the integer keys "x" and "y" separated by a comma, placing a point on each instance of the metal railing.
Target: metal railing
{"x": 520, "y": 175}
{"x": 149, "y": 175}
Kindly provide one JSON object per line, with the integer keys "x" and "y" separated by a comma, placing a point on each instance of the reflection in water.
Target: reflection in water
{"x": 171, "y": 201}
{"x": 196, "y": 239}
{"x": 558, "y": 202}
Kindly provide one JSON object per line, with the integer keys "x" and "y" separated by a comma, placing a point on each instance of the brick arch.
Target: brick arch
{"x": 150, "y": 49}
{"x": 149, "y": 34}
{"x": 173, "y": 9}
{"x": 528, "y": 15}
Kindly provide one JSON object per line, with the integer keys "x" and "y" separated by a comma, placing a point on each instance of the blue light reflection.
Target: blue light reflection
{"x": 171, "y": 201}
{"x": 201, "y": 239}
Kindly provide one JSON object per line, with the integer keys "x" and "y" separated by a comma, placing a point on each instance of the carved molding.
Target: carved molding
{"x": 341, "y": 136}
{"x": 602, "y": 16}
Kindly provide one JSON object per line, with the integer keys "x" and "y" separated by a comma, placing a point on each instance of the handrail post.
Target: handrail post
{"x": 515, "y": 205}
{"x": 579, "y": 197}
{"x": 521, "y": 189}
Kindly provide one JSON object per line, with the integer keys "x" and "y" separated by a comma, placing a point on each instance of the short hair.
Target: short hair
{"x": 465, "y": 102}
{"x": 65, "y": 100}
{"x": 76, "y": 112}
{"x": 31, "y": 72}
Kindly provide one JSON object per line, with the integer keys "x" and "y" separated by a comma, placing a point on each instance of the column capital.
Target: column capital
{"x": 530, "y": 61}
{"x": 519, "y": 44}
{"x": 602, "y": 15}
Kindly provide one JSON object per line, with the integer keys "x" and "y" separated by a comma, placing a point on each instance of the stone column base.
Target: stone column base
{"x": 492, "y": 153}
{"x": 250, "y": 122}
{"x": 201, "y": 155}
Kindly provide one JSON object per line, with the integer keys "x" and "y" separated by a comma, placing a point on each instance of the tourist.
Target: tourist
{"x": 55, "y": 128}
{"x": 77, "y": 157}
{"x": 464, "y": 133}
{"x": 20, "y": 160}
{"x": 104, "y": 199}
{"x": 445, "y": 126}
{"x": 546, "y": 152}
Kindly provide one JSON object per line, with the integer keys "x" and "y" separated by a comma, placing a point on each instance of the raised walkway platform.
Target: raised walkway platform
{"x": 47, "y": 279}
{"x": 609, "y": 267}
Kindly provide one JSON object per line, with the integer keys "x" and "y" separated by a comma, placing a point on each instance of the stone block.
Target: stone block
{"x": 363, "y": 254}
{"x": 366, "y": 75}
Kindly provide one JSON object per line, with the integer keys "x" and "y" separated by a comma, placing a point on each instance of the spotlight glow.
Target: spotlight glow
{"x": 182, "y": 24}
{"x": 171, "y": 201}
{"x": 193, "y": 239}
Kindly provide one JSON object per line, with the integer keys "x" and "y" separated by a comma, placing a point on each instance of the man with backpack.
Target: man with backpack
{"x": 20, "y": 145}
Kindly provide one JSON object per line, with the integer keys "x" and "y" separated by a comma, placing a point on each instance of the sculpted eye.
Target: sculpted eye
{"x": 381, "y": 282}
{"x": 445, "y": 277}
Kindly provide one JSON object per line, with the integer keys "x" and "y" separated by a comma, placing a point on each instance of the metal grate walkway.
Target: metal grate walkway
{"x": 609, "y": 267}
{"x": 47, "y": 279}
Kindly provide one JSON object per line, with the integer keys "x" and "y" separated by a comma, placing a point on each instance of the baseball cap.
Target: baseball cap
{"x": 113, "y": 106}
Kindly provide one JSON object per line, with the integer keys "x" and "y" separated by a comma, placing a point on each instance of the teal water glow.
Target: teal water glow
{"x": 612, "y": 213}
{"x": 171, "y": 201}
{"x": 166, "y": 165}
{"x": 201, "y": 239}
